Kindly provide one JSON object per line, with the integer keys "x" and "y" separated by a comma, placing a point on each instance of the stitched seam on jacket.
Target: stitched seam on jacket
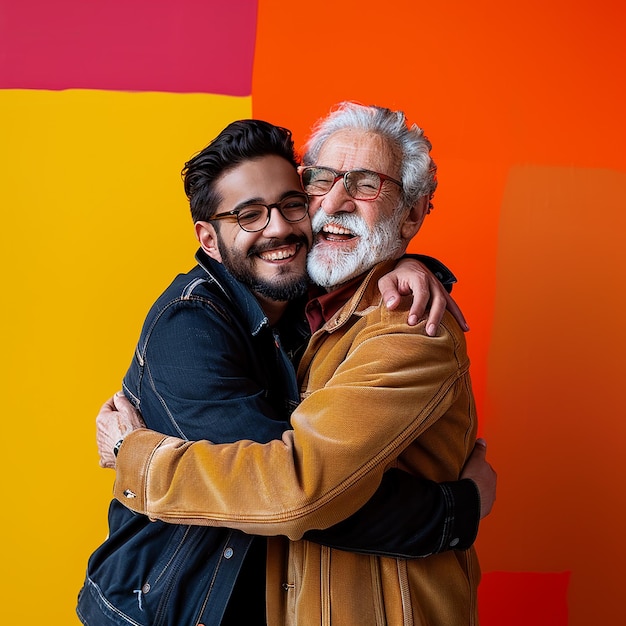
{"x": 405, "y": 592}
{"x": 325, "y": 555}
{"x": 113, "y": 608}
{"x": 449, "y": 518}
{"x": 379, "y": 602}
{"x": 145, "y": 473}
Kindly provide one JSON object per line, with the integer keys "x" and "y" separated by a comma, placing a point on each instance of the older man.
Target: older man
{"x": 376, "y": 394}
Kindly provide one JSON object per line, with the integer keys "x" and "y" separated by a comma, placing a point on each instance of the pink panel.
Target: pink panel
{"x": 143, "y": 45}
{"x": 523, "y": 598}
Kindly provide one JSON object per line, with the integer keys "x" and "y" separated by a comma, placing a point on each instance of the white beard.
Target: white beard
{"x": 329, "y": 265}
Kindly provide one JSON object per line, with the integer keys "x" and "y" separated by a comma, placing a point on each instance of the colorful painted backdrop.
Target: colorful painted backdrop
{"x": 101, "y": 104}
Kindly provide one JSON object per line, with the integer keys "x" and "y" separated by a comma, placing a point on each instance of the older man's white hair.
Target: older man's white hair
{"x": 418, "y": 170}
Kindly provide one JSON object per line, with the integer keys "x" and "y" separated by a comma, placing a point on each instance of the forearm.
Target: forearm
{"x": 408, "y": 517}
{"x": 183, "y": 482}
{"x": 318, "y": 474}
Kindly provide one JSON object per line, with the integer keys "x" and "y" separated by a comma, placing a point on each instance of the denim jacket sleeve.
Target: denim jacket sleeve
{"x": 408, "y": 517}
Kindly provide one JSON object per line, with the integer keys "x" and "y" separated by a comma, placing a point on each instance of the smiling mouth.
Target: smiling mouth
{"x": 283, "y": 253}
{"x": 333, "y": 232}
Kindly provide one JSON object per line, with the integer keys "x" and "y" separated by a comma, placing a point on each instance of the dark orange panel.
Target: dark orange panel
{"x": 524, "y": 598}
{"x": 555, "y": 382}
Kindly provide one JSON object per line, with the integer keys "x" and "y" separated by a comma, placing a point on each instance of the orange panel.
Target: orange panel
{"x": 525, "y": 107}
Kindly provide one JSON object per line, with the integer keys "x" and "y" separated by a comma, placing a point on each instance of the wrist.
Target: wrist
{"x": 462, "y": 499}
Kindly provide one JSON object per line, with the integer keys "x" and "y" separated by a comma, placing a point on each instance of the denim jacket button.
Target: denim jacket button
{"x": 454, "y": 542}
{"x": 228, "y": 553}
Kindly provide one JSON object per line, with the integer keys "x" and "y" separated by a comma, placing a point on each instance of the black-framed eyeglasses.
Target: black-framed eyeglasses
{"x": 360, "y": 184}
{"x": 255, "y": 216}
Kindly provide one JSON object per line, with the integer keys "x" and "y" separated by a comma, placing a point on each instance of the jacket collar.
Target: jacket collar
{"x": 241, "y": 297}
{"x": 366, "y": 297}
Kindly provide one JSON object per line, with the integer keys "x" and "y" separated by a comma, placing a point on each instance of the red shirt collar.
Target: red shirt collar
{"x": 322, "y": 307}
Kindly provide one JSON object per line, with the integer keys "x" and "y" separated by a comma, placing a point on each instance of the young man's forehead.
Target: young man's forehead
{"x": 265, "y": 178}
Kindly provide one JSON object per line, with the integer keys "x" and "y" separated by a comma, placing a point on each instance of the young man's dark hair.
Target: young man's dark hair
{"x": 240, "y": 141}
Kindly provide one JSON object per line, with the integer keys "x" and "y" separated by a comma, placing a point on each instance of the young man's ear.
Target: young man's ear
{"x": 207, "y": 236}
{"x": 415, "y": 217}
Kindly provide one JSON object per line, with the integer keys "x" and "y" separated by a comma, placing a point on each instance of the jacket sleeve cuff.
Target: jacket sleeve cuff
{"x": 132, "y": 464}
{"x": 462, "y": 502}
{"x": 441, "y": 272}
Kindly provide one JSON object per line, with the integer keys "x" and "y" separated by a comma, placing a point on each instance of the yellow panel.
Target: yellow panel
{"x": 95, "y": 225}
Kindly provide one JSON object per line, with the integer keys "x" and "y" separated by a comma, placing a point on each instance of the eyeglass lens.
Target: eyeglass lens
{"x": 256, "y": 217}
{"x": 360, "y": 184}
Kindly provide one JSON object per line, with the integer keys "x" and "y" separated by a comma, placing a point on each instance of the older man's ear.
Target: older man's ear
{"x": 415, "y": 217}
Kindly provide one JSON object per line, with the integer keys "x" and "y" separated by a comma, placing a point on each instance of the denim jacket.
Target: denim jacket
{"x": 208, "y": 327}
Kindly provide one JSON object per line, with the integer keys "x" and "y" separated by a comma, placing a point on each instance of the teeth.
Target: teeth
{"x": 278, "y": 255}
{"x": 336, "y": 230}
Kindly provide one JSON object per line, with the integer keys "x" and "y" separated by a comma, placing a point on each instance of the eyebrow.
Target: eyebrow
{"x": 259, "y": 200}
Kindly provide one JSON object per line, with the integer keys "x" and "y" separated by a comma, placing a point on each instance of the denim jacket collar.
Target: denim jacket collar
{"x": 243, "y": 299}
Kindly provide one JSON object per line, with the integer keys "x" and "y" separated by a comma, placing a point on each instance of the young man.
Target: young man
{"x": 210, "y": 361}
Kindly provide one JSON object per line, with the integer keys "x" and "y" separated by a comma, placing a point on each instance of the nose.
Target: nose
{"x": 278, "y": 226}
{"x": 337, "y": 200}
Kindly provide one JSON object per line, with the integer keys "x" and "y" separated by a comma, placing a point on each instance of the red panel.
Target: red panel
{"x": 523, "y": 598}
{"x": 144, "y": 45}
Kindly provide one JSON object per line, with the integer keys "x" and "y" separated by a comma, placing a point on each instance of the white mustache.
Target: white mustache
{"x": 354, "y": 223}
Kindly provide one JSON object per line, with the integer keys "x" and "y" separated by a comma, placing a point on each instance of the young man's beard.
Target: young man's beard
{"x": 281, "y": 288}
{"x": 329, "y": 265}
